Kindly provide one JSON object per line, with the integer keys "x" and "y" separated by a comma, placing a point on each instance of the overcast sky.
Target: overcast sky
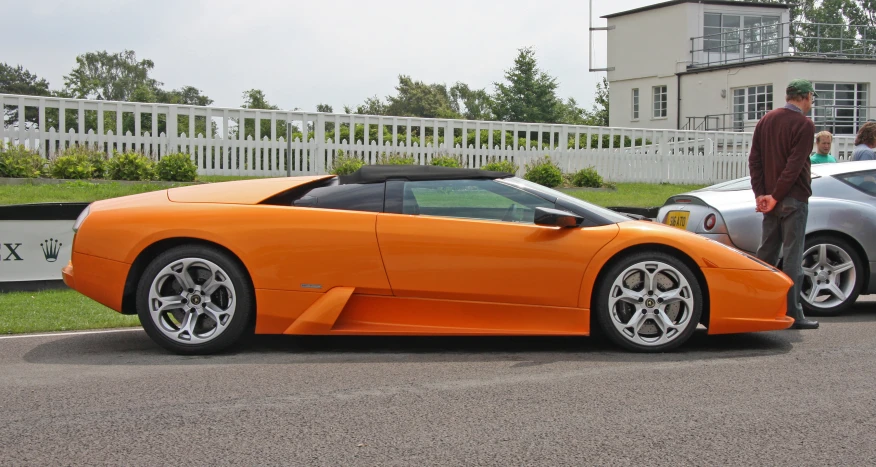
{"x": 304, "y": 53}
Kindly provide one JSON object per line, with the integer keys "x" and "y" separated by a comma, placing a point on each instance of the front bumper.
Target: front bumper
{"x": 100, "y": 279}
{"x": 747, "y": 301}
{"x": 67, "y": 275}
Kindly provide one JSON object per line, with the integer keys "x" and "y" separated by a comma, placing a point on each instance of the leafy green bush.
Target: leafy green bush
{"x": 447, "y": 161}
{"x": 544, "y": 172}
{"x": 501, "y": 166}
{"x": 83, "y": 155}
{"x": 345, "y": 165}
{"x": 396, "y": 159}
{"x": 130, "y": 166}
{"x": 177, "y": 167}
{"x": 588, "y": 177}
{"x": 17, "y": 161}
{"x": 71, "y": 167}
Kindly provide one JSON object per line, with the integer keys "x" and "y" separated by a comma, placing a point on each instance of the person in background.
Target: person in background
{"x": 865, "y": 142}
{"x": 781, "y": 179}
{"x": 823, "y": 141}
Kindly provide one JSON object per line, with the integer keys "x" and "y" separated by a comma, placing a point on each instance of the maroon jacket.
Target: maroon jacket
{"x": 779, "y": 160}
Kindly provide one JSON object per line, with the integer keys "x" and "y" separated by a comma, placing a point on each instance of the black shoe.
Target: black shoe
{"x": 805, "y": 324}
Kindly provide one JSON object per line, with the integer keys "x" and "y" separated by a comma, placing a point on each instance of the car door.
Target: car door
{"x": 476, "y": 240}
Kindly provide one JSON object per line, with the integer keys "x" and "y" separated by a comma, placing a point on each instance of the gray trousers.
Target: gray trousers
{"x": 784, "y": 231}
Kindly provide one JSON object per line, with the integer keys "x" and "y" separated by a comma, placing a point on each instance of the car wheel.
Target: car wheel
{"x": 194, "y": 299}
{"x": 832, "y": 275}
{"x": 649, "y": 302}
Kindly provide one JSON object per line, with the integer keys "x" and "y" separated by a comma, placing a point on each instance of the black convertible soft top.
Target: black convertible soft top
{"x": 382, "y": 173}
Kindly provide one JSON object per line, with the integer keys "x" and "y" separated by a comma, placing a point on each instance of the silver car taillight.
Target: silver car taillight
{"x": 709, "y": 222}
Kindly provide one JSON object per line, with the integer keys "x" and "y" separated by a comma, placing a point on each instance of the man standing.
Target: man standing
{"x": 865, "y": 143}
{"x": 823, "y": 141}
{"x": 780, "y": 176}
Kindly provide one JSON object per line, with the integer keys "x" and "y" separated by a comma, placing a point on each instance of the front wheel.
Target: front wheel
{"x": 195, "y": 299}
{"x": 649, "y": 302}
{"x": 832, "y": 275}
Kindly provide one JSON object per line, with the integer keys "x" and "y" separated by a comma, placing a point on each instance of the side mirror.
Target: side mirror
{"x": 556, "y": 218}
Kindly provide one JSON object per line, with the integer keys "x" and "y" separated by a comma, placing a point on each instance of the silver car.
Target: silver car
{"x": 840, "y": 249}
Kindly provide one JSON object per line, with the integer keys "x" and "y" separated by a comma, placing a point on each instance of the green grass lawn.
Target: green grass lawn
{"x": 643, "y": 195}
{"x": 85, "y": 191}
{"x": 56, "y": 310}
{"x": 627, "y": 194}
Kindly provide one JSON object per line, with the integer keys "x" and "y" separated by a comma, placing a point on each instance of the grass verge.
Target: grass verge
{"x": 56, "y": 310}
{"x": 627, "y": 194}
{"x": 642, "y": 195}
{"x": 85, "y": 191}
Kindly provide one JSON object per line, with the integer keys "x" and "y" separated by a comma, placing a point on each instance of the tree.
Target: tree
{"x": 372, "y": 106}
{"x": 105, "y": 76}
{"x": 529, "y": 95}
{"x": 418, "y": 99}
{"x": 599, "y": 115}
{"x": 17, "y": 80}
{"x": 256, "y": 99}
{"x": 472, "y": 104}
{"x": 186, "y": 95}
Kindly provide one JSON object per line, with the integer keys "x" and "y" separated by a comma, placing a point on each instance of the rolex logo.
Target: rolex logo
{"x": 51, "y": 248}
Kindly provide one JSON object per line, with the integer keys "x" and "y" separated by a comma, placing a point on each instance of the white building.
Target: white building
{"x": 720, "y": 65}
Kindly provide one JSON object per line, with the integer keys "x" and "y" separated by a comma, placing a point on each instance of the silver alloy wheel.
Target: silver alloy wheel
{"x": 650, "y": 303}
{"x": 829, "y": 276}
{"x": 192, "y": 300}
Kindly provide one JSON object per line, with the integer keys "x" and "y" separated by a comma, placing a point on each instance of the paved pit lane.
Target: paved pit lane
{"x": 778, "y": 398}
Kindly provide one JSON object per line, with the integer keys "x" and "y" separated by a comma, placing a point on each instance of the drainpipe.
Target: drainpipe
{"x": 678, "y": 102}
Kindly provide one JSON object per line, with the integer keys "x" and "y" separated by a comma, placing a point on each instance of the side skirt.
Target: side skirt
{"x": 341, "y": 311}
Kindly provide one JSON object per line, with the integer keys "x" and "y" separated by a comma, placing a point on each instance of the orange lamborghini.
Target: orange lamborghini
{"x": 409, "y": 250}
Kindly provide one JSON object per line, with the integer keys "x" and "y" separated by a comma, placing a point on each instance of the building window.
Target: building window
{"x": 740, "y": 34}
{"x": 635, "y": 104}
{"x": 659, "y": 101}
{"x": 750, "y": 104}
{"x": 840, "y": 108}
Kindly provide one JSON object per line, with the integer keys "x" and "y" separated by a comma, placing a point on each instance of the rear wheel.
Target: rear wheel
{"x": 649, "y": 302}
{"x": 832, "y": 275}
{"x": 194, "y": 299}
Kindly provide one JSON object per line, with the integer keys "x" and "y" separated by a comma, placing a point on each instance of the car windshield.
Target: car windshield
{"x": 606, "y": 213}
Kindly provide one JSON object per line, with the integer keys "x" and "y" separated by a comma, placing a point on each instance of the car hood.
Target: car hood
{"x": 238, "y": 192}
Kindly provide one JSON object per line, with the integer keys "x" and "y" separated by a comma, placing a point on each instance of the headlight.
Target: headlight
{"x": 81, "y": 218}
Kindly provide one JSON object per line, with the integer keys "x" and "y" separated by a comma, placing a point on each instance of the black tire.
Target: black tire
{"x": 850, "y": 282}
{"x": 686, "y": 315}
{"x": 232, "y": 302}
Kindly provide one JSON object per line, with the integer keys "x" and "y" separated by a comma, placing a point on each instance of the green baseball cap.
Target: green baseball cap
{"x": 801, "y": 86}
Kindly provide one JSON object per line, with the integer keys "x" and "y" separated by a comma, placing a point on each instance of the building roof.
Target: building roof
{"x": 381, "y": 173}
{"x": 707, "y": 2}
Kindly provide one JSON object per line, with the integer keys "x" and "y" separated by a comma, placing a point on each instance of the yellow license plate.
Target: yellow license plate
{"x": 677, "y": 219}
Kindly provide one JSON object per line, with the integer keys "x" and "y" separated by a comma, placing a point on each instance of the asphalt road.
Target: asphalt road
{"x": 779, "y": 398}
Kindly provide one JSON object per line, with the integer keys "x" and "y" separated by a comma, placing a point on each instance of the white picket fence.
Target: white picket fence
{"x": 618, "y": 154}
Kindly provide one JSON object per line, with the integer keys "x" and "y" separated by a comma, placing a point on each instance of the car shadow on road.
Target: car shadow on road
{"x": 135, "y": 348}
{"x": 860, "y": 312}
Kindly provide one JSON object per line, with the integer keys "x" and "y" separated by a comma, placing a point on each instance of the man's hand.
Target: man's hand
{"x": 765, "y": 203}
{"x": 758, "y": 201}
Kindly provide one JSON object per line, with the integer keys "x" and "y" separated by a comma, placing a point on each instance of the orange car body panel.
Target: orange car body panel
{"x": 321, "y": 271}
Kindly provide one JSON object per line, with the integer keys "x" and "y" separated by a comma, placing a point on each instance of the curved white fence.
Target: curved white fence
{"x": 618, "y": 154}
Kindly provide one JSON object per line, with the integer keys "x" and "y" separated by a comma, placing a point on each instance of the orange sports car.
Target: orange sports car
{"x": 409, "y": 250}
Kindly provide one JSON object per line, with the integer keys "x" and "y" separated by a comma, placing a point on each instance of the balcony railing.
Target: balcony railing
{"x": 837, "y": 119}
{"x": 839, "y": 41}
